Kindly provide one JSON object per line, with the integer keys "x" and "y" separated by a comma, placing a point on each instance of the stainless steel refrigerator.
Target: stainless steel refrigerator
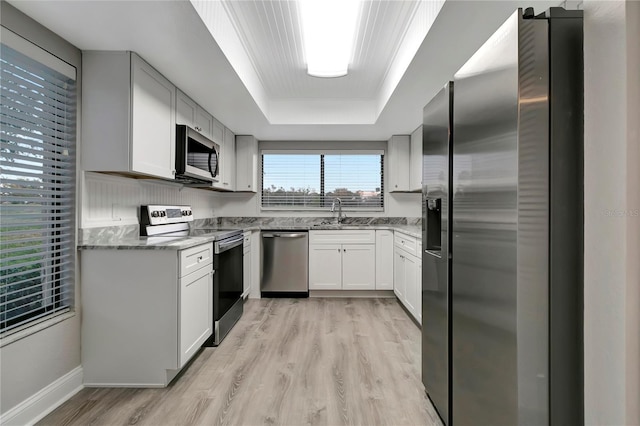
{"x": 503, "y": 229}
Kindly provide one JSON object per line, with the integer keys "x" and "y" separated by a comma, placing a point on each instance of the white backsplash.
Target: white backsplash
{"x": 109, "y": 200}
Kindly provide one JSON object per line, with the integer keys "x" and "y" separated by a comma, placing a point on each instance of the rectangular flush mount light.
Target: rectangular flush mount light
{"x": 328, "y": 33}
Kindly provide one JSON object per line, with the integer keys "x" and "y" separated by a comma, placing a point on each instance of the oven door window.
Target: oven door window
{"x": 227, "y": 280}
{"x": 202, "y": 157}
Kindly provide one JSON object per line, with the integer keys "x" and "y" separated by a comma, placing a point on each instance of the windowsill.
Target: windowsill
{"x": 13, "y": 336}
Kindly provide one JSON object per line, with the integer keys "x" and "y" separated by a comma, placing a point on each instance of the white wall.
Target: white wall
{"x": 109, "y": 200}
{"x": 247, "y": 204}
{"x": 30, "y": 364}
{"x": 633, "y": 222}
{"x": 612, "y": 232}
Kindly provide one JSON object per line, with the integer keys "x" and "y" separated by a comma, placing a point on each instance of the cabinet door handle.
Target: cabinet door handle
{"x": 199, "y": 259}
{"x": 344, "y": 250}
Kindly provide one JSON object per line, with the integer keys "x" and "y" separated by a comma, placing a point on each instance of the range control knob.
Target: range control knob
{"x": 155, "y": 213}
{"x": 189, "y": 213}
{"x": 163, "y": 214}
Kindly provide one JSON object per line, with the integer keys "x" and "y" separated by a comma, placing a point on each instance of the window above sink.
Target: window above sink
{"x": 312, "y": 180}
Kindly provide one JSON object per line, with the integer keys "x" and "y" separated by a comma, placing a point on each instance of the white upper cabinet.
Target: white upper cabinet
{"x": 193, "y": 115}
{"x": 246, "y": 163}
{"x": 398, "y": 163}
{"x": 227, "y": 161}
{"x": 405, "y": 162}
{"x": 217, "y": 132}
{"x": 415, "y": 161}
{"x": 204, "y": 123}
{"x": 128, "y": 116}
{"x": 185, "y": 109}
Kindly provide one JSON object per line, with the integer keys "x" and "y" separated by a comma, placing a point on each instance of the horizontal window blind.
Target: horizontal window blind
{"x": 37, "y": 184}
{"x": 314, "y": 180}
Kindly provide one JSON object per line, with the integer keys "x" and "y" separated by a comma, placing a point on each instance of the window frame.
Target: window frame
{"x": 63, "y": 273}
{"x": 380, "y": 152}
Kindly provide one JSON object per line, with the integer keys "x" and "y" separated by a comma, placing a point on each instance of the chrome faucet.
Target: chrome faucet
{"x": 333, "y": 208}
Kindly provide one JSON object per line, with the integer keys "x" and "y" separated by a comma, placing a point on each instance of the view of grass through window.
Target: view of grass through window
{"x": 315, "y": 180}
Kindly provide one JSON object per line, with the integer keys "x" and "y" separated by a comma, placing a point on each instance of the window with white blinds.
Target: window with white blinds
{"x": 37, "y": 184}
{"x": 314, "y": 180}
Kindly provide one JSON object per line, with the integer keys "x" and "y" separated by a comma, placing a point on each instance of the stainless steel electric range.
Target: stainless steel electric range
{"x": 163, "y": 222}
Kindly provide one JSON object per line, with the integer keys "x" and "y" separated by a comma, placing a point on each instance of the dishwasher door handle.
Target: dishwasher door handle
{"x": 284, "y": 235}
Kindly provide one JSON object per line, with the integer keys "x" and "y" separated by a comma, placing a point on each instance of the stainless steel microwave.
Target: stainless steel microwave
{"x": 197, "y": 157}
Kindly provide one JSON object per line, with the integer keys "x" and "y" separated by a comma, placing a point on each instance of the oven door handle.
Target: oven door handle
{"x": 222, "y": 246}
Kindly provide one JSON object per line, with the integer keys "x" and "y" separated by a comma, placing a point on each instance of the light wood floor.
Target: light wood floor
{"x": 286, "y": 362}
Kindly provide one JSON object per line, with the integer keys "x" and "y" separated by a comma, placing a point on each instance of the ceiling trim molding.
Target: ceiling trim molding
{"x": 240, "y": 28}
{"x": 423, "y": 18}
{"x": 216, "y": 19}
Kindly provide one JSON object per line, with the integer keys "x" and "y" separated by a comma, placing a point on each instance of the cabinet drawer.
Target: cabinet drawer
{"x": 406, "y": 242}
{"x": 195, "y": 258}
{"x": 342, "y": 237}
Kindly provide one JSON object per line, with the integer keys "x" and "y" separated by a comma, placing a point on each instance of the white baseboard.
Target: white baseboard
{"x": 34, "y": 408}
{"x": 352, "y": 293}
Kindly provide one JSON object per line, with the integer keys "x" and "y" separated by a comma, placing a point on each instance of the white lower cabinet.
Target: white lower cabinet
{"x": 419, "y": 296}
{"x": 358, "y": 266}
{"x": 411, "y": 281}
{"x": 145, "y": 313}
{"x": 342, "y": 260}
{"x": 398, "y": 274}
{"x": 384, "y": 260}
{"x": 407, "y": 269}
{"x": 325, "y": 266}
{"x": 196, "y": 319}
{"x": 256, "y": 258}
{"x": 247, "y": 276}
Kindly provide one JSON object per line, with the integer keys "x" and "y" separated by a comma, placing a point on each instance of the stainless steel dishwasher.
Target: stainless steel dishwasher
{"x": 285, "y": 264}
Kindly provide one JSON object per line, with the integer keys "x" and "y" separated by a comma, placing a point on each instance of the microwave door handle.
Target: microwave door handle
{"x": 213, "y": 172}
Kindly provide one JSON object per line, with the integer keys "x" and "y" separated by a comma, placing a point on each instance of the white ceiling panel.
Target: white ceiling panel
{"x": 271, "y": 35}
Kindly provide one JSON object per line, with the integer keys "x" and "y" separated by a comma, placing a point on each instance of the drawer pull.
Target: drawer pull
{"x": 199, "y": 259}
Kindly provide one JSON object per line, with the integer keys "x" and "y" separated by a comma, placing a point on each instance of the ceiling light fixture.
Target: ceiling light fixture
{"x": 328, "y": 33}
